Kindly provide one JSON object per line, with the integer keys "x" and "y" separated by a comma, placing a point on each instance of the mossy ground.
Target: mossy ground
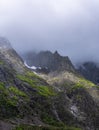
{"x": 27, "y": 127}
{"x": 1, "y": 62}
{"x": 9, "y": 100}
{"x": 17, "y": 92}
{"x": 35, "y": 82}
{"x": 7, "y": 104}
{"x": 86, "y": 83}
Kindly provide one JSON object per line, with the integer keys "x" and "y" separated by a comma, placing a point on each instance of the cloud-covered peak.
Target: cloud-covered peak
{"x": 4, "y": 42}
{"x": 69, "y": 26}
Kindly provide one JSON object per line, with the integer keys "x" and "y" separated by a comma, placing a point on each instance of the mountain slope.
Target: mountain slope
{"x": 25, "y": 98}
{"x": 29, "y": 102}
{"x": 82, "y": 95}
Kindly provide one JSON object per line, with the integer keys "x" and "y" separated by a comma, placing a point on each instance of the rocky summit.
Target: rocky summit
{"x": 51, "y": 101}
{"x": 49, "y": 60}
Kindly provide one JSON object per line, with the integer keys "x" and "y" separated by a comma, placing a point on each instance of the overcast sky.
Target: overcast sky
{"x": 69, "y": 26}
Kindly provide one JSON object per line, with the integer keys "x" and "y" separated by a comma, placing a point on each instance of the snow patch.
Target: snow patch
{"x": 39, "y": 68}
{"x": 30, "y": 67}
{"x": 33, "y": 67}
{"x": 26, "y": 64}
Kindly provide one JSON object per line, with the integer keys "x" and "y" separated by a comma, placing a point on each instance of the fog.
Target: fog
{"x": 69, "y": 26}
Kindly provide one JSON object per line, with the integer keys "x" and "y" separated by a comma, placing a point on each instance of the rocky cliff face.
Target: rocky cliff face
{"x": 57, "y": 101}
{"x": 90, "y": 70}
{"x": 49, "y": 60}
{"x": 8, "y": 54}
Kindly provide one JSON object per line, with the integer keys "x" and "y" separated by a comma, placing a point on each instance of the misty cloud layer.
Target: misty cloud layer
{"x": 69, "y": 26}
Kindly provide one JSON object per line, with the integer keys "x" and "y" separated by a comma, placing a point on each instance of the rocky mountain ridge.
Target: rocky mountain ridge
{"x": 8, "y": 54}
{"x": 50, "y": 61}
{"x": 47, "y": 62}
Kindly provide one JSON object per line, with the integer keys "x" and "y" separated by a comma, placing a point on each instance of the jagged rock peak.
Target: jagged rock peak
{"x": 53, "y": 61}
{"x": 4, "y": 43}
{"x": 56, "y": 53}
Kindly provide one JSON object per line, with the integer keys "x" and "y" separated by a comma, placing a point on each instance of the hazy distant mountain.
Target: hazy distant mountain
{"x": 90, "y": 70}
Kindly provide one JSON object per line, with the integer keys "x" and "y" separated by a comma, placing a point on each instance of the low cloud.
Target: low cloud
{"x": 69, "y": 26}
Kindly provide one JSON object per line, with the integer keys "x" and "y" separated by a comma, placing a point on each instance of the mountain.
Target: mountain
{"x": 59, "y": 100}
{"x": 49, "y": 60}
{"x": 90, "y": 70}
{"x": 70, "y": 84}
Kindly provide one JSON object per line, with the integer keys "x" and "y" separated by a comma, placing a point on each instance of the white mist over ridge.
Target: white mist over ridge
{"x": 71, "y": 27}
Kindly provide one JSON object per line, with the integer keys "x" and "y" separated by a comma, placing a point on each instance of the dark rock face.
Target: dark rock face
{"x": 52, "y": 61}
{"x": 80, "y": 103}
{"x": 90, "y": 71}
